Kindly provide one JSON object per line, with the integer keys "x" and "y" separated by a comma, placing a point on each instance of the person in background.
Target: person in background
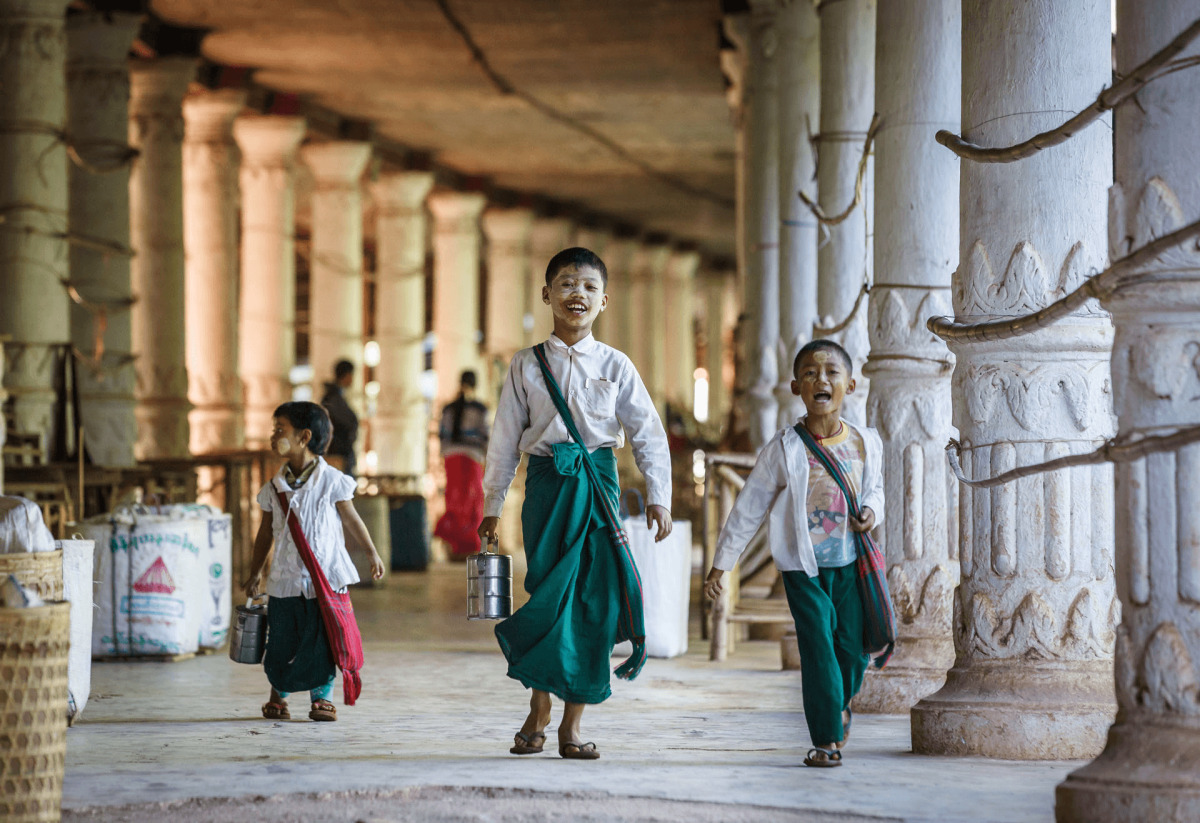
{"x": 464, "y": 436}
{"x": 345, "y": 421}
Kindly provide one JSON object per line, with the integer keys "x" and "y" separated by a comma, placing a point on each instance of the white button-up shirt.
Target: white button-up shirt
{"x": 315, "y": 504}
{"x": 606, "y": 397}
{"x": 778, "y": 487}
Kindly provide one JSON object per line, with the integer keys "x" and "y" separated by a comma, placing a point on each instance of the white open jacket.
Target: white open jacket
{"x": 778, "y": 485}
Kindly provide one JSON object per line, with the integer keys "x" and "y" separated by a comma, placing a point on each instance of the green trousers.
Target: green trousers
{"x": 561, "y": 641}
{"x": 829, "y": 633}
{"x": 298, "y": 657}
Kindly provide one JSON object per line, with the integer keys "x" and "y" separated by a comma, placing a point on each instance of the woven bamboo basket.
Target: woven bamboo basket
{"x": 33, "y": 711}
{"x": 40, "y": 571}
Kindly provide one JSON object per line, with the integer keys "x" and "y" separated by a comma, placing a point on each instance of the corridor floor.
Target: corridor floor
{"x": 429, "y": 741}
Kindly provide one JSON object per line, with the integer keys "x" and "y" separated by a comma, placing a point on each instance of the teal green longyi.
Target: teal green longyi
{"x": 561, "y": 640}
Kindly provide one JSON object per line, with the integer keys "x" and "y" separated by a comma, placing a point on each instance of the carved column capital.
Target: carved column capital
{"x": 402, "y": 192}
{"x": 455, "y": 212}
{"x": 337, "y": 165}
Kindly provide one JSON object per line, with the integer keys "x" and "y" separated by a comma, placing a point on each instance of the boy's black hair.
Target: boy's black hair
{"x": 343, "y": 368}
{"x": 305, "y": 415}
{"x": 822, "y": 345}
{"x": 579, "y": 257}
{"x": 467, "y": 379}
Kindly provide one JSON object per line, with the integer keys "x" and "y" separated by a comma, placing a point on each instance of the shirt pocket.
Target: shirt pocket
{"x": 600, "y": 397}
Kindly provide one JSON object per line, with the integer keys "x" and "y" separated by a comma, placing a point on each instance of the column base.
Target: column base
{"x": 1146, "y": 772}
{"x": 1016, "y": 711}
{"x": 896, "y": 689}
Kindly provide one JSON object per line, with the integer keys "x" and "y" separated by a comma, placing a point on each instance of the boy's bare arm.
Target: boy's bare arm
{"x": 353, "y": 524}
{"x": 262, "y": 550}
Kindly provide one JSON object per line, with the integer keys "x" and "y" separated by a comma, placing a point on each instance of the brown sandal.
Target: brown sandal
{"x": 276, "y": 710}
{"x": 531, "y": 743}
{"x": 581, "y": 751}
{"x": 323, "y": 710}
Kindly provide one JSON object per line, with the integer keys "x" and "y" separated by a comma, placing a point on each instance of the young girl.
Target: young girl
{"x": 298, "y": 654}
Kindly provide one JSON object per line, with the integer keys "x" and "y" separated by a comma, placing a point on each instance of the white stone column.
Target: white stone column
{"x": 508, "y": 233}
{"x": 917, "y": 85}
{"x": 456, "y": 289}
{"x": 1150, "y": 767}
{"x": 679, "y": 322}
{"x": 210, "y": 244}
{"x": 799, "y": 116}
{"x": 156, "y": 231}
{"x": 616, "y": 328}
{"x": 400, "y": 427}
{"x": 33, "y": 250}
{"x": 647, "y": 310}
{"x": 761, "y": 122}
{"x": 98, "y": 116}
{"x": 1034, "y": 614}
{"x": 720, "y": 316}
{"x": 550, "y": 236}
{"x": 847, "y": 105}
{"x": 267, "y": 333}
{"x": 336, "y": 264}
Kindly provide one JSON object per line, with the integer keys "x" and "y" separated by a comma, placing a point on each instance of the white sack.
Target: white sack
{"x": 78, "y": 558}
{"x": 666, "y": 572}
{"x": 151, "y": 583}
{"x": 22, "y": 528}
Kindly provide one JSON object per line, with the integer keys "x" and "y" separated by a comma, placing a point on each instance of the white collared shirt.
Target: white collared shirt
{"x": 606, "y": 397}
{"x": 777, "y": 488}
{"x": 315, "y": 504}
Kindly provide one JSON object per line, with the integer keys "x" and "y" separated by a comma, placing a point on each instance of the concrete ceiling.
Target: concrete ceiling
{"x": 644, "y": 74}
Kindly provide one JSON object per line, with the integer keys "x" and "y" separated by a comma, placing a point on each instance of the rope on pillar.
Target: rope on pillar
{"x": 1119, "y": 275}
{"x": 1116, "y": 450}
{"x": 825, "y": 331}
{"x": 859, "y": 179}
{"x": 1159, "y": 65}
{"x": 125, "y": 153}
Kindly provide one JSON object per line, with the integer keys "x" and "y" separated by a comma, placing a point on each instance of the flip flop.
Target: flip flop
{"x": 578, "y": 751}
{"x": 525, "y": 743}
{"x": 323, "y": 710}
{"x": 847, "y": 721}
{"x": 831, "y": 759}
{"x": 276, "y": 710}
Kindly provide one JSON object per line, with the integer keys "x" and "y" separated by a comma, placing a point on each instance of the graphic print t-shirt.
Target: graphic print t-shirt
{"x": 832, "y": 539}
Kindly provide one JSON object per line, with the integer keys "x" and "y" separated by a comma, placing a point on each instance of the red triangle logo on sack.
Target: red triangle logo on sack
{"x": 155, "y": 579}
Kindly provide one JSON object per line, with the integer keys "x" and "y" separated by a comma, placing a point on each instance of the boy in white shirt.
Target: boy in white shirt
{"x": 298, "y": 654}
{"x": 810, "y": 531}
{"x": 568, "y": 404}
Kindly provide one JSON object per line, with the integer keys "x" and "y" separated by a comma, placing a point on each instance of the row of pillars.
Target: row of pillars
{"x": 1011, "y": 600}
{"x": 164, "y": 258}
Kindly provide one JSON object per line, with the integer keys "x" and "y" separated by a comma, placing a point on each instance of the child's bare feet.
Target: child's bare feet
{"x": 323, "y": 710}
{"x": 532, "y": 736}
{"x": 276, "y": 708}
{"x": 570, "y": 743}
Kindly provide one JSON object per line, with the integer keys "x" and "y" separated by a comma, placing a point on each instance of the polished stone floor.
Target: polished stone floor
{"x": 437, "y": 713}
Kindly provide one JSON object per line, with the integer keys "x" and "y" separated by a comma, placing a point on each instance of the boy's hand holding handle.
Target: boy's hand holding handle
{"x": 864, "y": 523}
{"x": 253, "y": 584}
{"x": 713, "y": 585}
{"x": 658, "y": 516}
{"x": 489, "y": 529}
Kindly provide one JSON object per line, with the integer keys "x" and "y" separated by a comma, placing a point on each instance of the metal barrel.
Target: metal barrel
{"x": 248, "y": 638}
{"x": 489, "y": 586}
